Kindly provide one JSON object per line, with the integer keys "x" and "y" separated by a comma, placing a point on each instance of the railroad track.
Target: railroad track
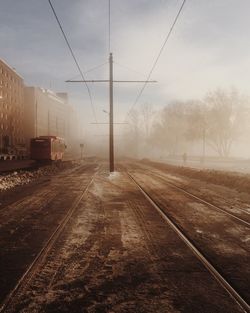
{"x": 222, "y": 281}
{"x": 22, "y": 284}
{"x": 46, "y": 179}
{"x": 193, "y": 196}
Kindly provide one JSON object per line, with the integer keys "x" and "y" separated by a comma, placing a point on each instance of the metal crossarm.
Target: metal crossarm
{"x": 111, "y": 123}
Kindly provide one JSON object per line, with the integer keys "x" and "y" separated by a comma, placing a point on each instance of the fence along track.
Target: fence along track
{"x": 231, "y": 291}
{"x": 22, "y": 284}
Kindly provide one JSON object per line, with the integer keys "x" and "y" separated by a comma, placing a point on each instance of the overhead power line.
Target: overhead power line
{"x": 157, "y": 59}
{"x": 74, "y": 57}
{"x": 90, "y": 70}
{"x": 129, "y": 69}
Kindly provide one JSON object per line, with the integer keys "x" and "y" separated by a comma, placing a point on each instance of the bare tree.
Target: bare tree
{"x": 147, "y": 115}
{"x": 170, "y": 128}
{"x": 217, "y": 121}
{"x": 225, "y": 119}
{"x": 132, "y": 135}
{"x": 197, "y": 124}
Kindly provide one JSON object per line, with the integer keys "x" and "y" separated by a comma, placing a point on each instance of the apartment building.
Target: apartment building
{"x": 11, "y": 111}
{"x": 48, "y": 113}
{"x": 28, "y": 112}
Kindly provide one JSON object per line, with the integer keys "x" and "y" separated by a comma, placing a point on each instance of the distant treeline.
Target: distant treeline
{"x": 216, "y": 121}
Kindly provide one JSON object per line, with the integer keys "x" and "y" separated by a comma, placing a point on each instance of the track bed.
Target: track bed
{"x": 117, "y": 254}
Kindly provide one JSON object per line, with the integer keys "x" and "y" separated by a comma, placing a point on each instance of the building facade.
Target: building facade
{"x": 47, "y": 113}
{"x": 28, "y": 112}
{"x": 12, "y": 139}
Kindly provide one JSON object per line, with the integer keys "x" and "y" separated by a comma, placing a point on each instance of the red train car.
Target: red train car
{"x": 47, "y": 148}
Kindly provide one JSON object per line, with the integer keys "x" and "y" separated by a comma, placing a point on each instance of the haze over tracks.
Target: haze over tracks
{"x": 117, "y": 255}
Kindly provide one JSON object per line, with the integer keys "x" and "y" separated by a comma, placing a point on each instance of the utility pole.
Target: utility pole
{"x": 111, "y": 117}
{"x": 36, "y": 120}
{"x": 111, "y": 82}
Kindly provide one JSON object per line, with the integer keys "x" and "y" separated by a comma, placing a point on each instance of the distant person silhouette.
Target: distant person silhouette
{"x": 184, "y": 158}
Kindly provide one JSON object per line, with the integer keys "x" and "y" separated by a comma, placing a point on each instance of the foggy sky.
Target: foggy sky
{"x": 209, "y": 48}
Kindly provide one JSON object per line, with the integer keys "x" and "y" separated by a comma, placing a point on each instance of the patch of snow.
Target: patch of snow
{"x": 25, "y": 177}
{"x": 229, "y": 249}
{"x": 97, "y": 190}
{"x": 175, "y": 178}
{"x": 114, "y": 175}
{"x": 246, "y": 239}
{"x": 199, "y": 231}
{"x": 15, "y": 179}
{"x": 130, "y": 236}
{"x": 247, "y": 211}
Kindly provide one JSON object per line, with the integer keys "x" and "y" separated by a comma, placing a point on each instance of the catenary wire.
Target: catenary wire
{"x": 129, "y": 69}
{"x": 74, "y": 57}
{"x": 157, "y": 59}
{"x": 90, "y": 70}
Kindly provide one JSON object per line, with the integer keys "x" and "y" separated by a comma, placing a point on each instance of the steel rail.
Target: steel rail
{"x": 41, "y": 181}
{"x": 223, "y": 282}
{"x": 31, "y": 271}
{"x": 191, "y": 195}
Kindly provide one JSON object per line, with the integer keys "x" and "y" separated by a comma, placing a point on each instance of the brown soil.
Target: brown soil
{"x": 118, "y": 255}
{"x": 238, "y": 181}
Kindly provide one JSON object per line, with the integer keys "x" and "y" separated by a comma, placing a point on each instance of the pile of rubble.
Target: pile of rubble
{"x": 20, "y": 178}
